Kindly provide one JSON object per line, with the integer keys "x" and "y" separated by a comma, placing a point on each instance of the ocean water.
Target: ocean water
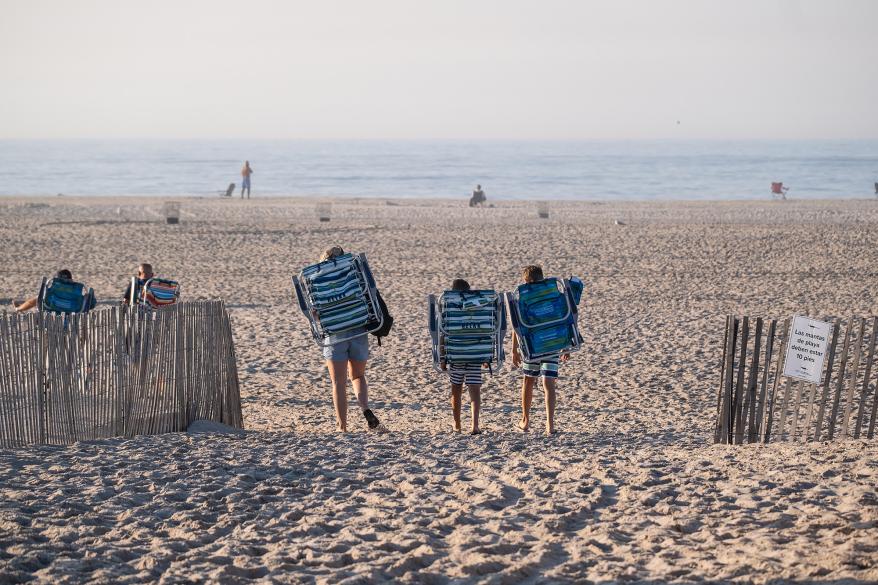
{"x": 624, "y": 170}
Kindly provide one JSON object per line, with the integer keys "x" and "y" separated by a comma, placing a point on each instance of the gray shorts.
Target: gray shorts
{"x": 356, "y": 349}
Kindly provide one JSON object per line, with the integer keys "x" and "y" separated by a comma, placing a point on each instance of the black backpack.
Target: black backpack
{"x": 388, "y": 320}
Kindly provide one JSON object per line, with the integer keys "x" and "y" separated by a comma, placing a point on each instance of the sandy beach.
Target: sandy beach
{"x": 629, "y": 490}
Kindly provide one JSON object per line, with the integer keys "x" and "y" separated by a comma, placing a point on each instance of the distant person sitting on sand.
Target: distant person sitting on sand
{"x": 547, "y": 368}
{"x": 469, "y": 374}
{"x": 478, "y": 198}
{"x": 348, "y": 357}
{"x": 144, "y": 273}
{"x": 30, "y": 303}
{"x": 245, "y": 178}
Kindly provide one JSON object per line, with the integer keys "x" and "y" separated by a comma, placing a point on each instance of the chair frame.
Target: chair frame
{"x": 367, "y": 285}
{"x": 437, "y": 332}
{"x": 88, "y": 298}
{"x": 519, "y": 323}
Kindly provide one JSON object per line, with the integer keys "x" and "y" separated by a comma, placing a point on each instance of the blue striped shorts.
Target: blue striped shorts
{"x": 470, "y": 374}
{"x": 546, "y": 367}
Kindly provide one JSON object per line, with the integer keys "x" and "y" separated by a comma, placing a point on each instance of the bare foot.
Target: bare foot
{"x": 523, "y": 426}
{"x": 550, "y": 432}
{"x": 457, "y": 429}
{"x": 476, "y": 432}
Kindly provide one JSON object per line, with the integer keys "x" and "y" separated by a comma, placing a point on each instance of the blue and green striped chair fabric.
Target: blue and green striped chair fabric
{"x": 66, "y": 296}
{"x": 545, "y": 316}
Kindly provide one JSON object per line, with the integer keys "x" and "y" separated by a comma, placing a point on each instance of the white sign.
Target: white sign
{"x": 806, "y": 349}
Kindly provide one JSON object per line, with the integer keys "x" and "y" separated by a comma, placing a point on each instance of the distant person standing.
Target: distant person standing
{"x": 478, "y": 197}
{"x": 876, "y": 188}
{"x": 245, "y": 178}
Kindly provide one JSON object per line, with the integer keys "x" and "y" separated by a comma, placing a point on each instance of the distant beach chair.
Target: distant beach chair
{"x": 778, "y": 191}
{"x": 156, "y": 293}
{"x": 339, "y": 298}
{"x": 323, "y": 211}
{"x": 544, "y": 316}
{"x": 228, "y": 192}
{"x": 59, "y": 295}
{"x": 467, "y": 327}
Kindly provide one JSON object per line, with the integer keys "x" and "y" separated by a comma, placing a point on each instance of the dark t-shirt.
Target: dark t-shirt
{"x": 126, "y": 298}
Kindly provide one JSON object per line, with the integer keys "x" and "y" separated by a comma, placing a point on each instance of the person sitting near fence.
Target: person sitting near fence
{"x": 144, "y": 273}
{"x": 30, "y": 303}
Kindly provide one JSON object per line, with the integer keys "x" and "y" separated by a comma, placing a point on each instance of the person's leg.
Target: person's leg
{"x": 456, "y": 390}
{"x": 358, "y": 354}
{"x": 358, "y": 380}
{"x": 475, "y": 396}
{"x": 338, "y": 376}
{"x": 527, "y": 395}
{"x": 549, "y": 372}
{"x": 549, "y": 384}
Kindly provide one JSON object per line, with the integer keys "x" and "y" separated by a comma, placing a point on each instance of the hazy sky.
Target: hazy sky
{"x": 419, "y": 69}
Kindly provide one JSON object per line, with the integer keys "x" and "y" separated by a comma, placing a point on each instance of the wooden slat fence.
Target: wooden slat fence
{"x": 756, "y": 403}
{"x": 116, "y": 372}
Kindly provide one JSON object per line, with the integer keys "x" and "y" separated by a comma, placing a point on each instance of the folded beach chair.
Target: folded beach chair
{"x": 544, "y": 316}
{"x": 156, "y": 293}
{"x": 59, "y": 295}
{"x": 339, "y": 298}
{"x": 467, "y": 327}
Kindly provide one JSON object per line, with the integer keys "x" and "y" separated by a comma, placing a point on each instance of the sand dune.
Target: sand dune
{"x": 629, "y": 490}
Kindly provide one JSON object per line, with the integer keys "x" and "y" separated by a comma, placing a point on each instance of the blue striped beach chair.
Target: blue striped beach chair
{"x": 339, "y": 298}
{"x": 544, "y": 316}
{"x": 59, "y": 295}
{"x": 467, "y": 327}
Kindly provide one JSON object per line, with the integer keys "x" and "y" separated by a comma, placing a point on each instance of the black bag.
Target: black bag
{"x": 388, "y": 320}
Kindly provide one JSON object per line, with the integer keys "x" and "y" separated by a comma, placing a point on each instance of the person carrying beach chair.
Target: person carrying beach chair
{"x": 467, "y": 328}
{"x": 543, "y": 313}
{"x": 339, "y": 298}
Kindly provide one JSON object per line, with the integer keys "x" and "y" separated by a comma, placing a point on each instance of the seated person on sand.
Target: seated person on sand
{"x": 30, "y": 303}
{"x": 144, "y": 273}
{"x": 466, "y": 373}
{"x": 478, "y": 198}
